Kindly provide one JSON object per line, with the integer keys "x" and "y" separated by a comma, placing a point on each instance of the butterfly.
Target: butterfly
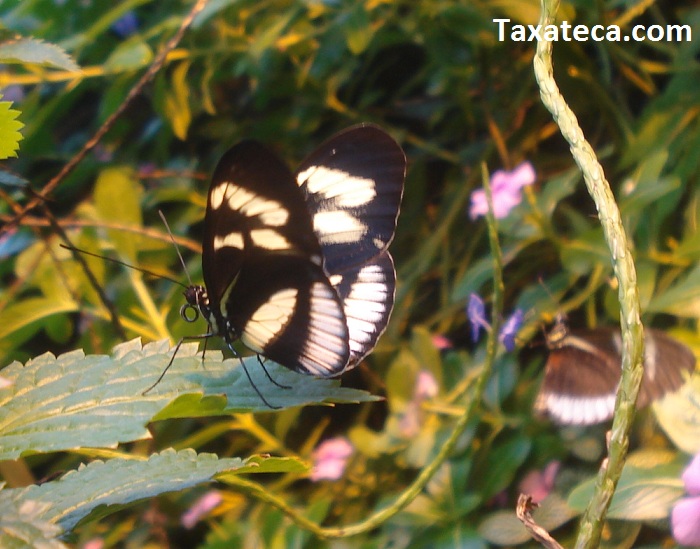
{"x": 296, "y": 265}
{"x": 584, "y": 369}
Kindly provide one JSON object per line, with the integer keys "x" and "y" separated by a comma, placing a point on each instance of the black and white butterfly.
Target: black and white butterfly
{"x": 297, "y": 266}
{"x": 584, "y": 369}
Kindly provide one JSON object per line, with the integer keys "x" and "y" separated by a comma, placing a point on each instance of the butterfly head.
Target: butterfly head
{"x": 559, "y": 332}
{"x": 197, "y": 302}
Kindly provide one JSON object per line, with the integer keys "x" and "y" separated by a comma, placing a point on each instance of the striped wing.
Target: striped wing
{"x": 583, "y": 372}
{"x": 263, "y": 266}
{"x": 353, "y": 184}
{"x": 367, "y": 293}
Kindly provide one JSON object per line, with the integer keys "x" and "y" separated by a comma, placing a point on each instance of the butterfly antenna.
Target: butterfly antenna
{"x": 123, "y": 263}
{"x": 177, "y": 248}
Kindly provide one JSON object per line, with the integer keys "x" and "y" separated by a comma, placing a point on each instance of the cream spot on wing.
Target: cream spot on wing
{"x": 346, "y": 190}
{"x": 339, "y": 227}
{"x": 269, "y": 239}
{"x": 269, "y": 320}
{"x": 231, "y": 240}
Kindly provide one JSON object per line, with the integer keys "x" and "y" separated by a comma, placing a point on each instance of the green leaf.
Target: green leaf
{"x": 177, "y": 105}
{"x": 504, "y": 461}
{"x": 21, "y": 524}
{"x": 75, "y": 401}
{"x": 682, "y": 299}
{"x": 504, "y": 527}
{"x": 357, "y": 29}
{"x": 9, "y": 131}
{"x": 98, "y": 489}
{"x": 679, "y": 416}
{"x": 129, "y": 55}
{"x": 31, "y": 310}
{"x": 118, "y": 198}
{"x": 37, "y": 52}
{"x": 650, "y": 484}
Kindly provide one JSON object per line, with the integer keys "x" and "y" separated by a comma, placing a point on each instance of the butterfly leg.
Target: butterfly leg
{"x": 262, "y": 365}
{"x": 250, "y": 379}
{"x": 205, "y": 337}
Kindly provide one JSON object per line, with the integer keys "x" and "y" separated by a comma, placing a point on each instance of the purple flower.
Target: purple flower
{"x": 127, "y": 25}
{"x": 506, "y": 191}
{"x": 510, "y": 329}
{"x": 476, "y": 313}
{"x": 330, "y": 459}
{"x": 201, "y": 508}
{"x": 685, "y": 516}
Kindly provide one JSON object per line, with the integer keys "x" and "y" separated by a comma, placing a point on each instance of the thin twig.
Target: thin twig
{"x": 133, "y": 93}
{"x": 31, "y": 221}
{"x": 524, "y": 512}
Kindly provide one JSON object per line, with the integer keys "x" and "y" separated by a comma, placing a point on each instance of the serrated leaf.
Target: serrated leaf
{"x": 98, "y": 489}
{"x": 649, "y": 485}
{"x": 37, "y": 52}
{"x": 75, "y": 401}
{"x": 9, "y": 130}
{"x": 20, "y": 525}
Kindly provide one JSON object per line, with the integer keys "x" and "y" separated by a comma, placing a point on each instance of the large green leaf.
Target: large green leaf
{"x": 75, "y": 401}
{"x": 38, "y": 52}
{"x": 98, "y": 489}
{"x": 649, "y": 485}
{"x": 679, "y": 416}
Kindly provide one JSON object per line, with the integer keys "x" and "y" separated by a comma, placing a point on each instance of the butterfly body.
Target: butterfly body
{"x": 583, "y": 371}
{"x": 296, "y": 266}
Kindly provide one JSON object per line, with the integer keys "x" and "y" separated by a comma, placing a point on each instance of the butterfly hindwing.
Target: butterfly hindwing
{"x": 353, "y": 184}
{"x": 367, "y": 294}
{"x": 284, "y": 307}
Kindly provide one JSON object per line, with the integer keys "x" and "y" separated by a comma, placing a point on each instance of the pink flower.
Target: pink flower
{"x": 330, "y": 459}
{"x": 202, "y": 507}
{"x": 426, "y": 386}
{"x": 441, "y": 342}
{"x": 685, "y": 516}
{"x": 539, "y": 484}
{"x": 506, "y": 191}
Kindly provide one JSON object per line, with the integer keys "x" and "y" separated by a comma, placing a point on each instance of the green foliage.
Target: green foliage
{"x": 290, "y": 73}
{"x": 42, "y": 409}
{"x": 9, "y": 130}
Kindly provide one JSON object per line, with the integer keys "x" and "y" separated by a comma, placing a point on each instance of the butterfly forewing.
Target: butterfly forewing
{"x": 353, "y": 185}
{"x": 253, "y": 203}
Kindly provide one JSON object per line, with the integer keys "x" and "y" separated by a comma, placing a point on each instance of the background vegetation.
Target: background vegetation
{"x": 290, "y": 73}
